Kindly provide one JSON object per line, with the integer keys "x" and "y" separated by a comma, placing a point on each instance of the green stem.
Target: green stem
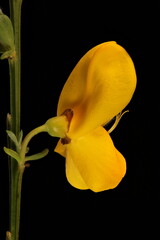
{"x": 15, "y": 66}
{"x": 15, "y": 198}
{"x": 16, "y": 171}
{"x": 16, "y": 184}
{"x": 28, "y": 137}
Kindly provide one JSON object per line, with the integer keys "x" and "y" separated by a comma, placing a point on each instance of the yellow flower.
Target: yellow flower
{"x": 99, "y": 87}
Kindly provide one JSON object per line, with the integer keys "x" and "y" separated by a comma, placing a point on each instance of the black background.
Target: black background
{"x": 54, "y": 38}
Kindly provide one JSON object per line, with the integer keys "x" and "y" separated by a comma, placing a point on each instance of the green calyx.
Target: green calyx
{"x": 57, "y": 126}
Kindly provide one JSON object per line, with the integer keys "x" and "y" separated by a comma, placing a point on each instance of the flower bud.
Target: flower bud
{"x": 6, "y": 37}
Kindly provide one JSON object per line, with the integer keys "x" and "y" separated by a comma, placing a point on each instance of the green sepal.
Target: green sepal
{"x": 6, "y": 35}
{"x": 12, "y": 154}
{"x": 38, "y": 155}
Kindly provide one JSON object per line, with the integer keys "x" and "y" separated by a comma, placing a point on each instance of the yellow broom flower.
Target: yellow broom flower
{"x": 99, "y": 88}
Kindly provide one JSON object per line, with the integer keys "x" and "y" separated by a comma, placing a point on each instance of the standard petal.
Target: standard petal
{"x": 94, "y": 159}
{"x": 99, "y": 87}
{"x": 74, "y": 89}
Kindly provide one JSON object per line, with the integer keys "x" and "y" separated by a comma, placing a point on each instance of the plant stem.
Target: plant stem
{"x": 15, "y": 66}
{"x": 15, "y": 199}
{"x": 16, "y": 171}
{"x": 28, "y": 137}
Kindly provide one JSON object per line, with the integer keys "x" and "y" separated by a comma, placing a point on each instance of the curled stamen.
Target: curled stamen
{"x": 118, "y": 118}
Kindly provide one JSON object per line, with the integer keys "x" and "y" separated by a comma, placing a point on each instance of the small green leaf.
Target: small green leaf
{"x": 13, "y": 137}
{"x": 12, "y": 154}
{"x": 20, "y": 137}
{"x": 37, "y": 156}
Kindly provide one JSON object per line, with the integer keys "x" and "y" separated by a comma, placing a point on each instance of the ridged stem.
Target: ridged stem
{"x": 16, "y": 171}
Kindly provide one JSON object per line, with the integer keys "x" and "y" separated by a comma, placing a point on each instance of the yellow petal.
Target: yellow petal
{"x": 93, "y": 162}
{"x": 73, "y": 175}
{"x": 60, "y": 148}
{"x": 99, "y": 87}
{"x": 74, "y": 89}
